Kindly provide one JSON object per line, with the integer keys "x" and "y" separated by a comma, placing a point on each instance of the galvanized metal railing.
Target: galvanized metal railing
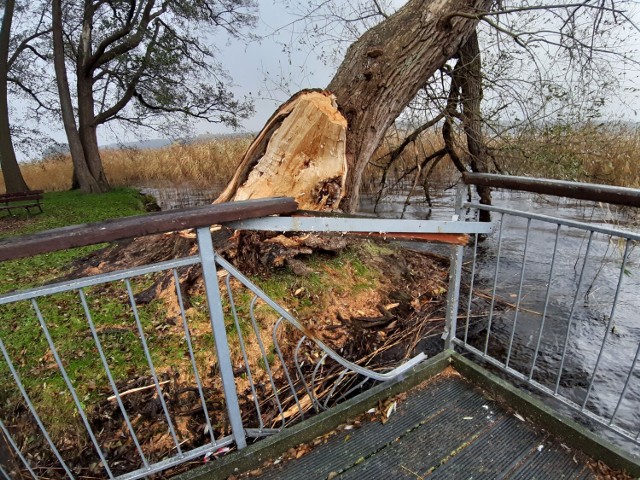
{"x": 523, "y": 299}
{"x": 553, "y": 302}
{"x": 241, "y": 383}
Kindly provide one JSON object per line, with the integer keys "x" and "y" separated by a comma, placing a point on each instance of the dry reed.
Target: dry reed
{"x": 593, "y": 153}
{"x": 198, "y": 165}
{"x": 606, "y": 153}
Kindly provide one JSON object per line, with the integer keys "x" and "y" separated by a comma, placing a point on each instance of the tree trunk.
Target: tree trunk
{"x": 89, "y": 138}
{"x": 83, "y": 140}
{"x": 13, "y": 179}
{"x": 82, "y": 177}
{"x": 87, "y": 133}
{"x": 469, "y": 77}
{"x": 87, "y": 128}
{"x": 381, "y": 73}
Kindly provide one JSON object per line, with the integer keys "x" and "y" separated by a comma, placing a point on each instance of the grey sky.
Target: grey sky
{"x": 269, "y": 75}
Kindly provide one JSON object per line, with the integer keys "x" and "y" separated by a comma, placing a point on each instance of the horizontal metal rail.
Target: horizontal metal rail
{"x": 162, "y": 465}
{"x": 137, "y": 226}
{"x": 363, "y": 225}
{"x": 558, "y": 221}
{"x": 581, "y": 191}
{"x": 94, "y": 280}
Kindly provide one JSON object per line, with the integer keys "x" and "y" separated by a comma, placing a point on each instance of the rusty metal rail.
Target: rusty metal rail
{"x": 581, "y": 191}
{"x": 141, "y": 225}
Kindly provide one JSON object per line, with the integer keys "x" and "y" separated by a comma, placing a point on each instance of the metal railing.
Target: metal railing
{"x": 216, "y": 363}
{"x": 553, "y": 302}
{"x": 188, "y": 376}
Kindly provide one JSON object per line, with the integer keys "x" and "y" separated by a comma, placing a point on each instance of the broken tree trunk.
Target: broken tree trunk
{"x": 381, "y": 73}
{"x": 300, "y": 153}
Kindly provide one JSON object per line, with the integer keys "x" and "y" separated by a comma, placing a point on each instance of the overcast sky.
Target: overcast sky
{"x": 263, "y": 71}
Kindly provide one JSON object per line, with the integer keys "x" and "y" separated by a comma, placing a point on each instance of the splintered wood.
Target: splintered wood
{"x": 300, "y": 153}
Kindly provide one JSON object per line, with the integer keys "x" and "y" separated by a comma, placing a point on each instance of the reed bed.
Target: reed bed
{"x": 197, "y": 164}
{"x": 602, "y": 153}
{"x": 594, "y": 153}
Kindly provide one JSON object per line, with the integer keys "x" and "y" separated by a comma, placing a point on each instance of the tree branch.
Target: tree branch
{"x": 131, "y": 87}
{"x": 102, "y": 56}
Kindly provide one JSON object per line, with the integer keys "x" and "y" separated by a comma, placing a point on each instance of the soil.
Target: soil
{"x": 403, "y": 315}
{"x": 9, "y": 224}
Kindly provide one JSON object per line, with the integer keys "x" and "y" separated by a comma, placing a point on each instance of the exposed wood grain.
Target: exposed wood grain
{"x": 299, "y": 153}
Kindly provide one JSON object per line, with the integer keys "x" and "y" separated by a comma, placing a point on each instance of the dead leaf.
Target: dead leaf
{"x": 391, "y": 409}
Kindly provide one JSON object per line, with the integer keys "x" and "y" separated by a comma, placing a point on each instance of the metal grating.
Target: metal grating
{"x": 447, "y": 430}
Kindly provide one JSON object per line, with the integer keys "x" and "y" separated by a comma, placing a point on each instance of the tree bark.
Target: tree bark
{"x": 82, "y": 177}
{"x": 13, "y": 179}
{"x": 87, "y": 128}
{"x": 383, "y": 71}
{"x": 469, "y": 77}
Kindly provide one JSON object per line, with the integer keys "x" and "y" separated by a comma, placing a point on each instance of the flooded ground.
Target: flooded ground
{"x": 579, "y": 312}
{"x": 170, "y": 198}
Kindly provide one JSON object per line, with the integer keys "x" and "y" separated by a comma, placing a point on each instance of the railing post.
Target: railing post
{"x": 455, "y": 274}
{"x": 216, "y": 315}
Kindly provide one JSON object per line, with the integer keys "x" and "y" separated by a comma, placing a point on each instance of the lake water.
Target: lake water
{"x": 591, "y": 312}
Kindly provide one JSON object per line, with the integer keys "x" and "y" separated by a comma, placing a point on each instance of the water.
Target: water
{"x": 171, "y": 198}
{"x": 592, "y": 327}
{"x": 590, "y": 313}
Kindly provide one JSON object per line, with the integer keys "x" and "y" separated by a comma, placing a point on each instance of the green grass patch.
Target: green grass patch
{"x": 60, "y": 209}
{"x": 20, "y": 329}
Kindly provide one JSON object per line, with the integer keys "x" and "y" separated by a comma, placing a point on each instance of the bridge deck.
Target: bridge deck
{"x": 446, "y": 429}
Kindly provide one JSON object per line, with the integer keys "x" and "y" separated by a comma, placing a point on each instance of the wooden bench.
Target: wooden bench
{"x": 28, "y": 200}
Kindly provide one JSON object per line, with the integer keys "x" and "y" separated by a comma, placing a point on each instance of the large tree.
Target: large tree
{"x": 13, "y": 179}
{"x": 380, "y": 74}
{"x": 141, "y": 62}
{"x": 544, "y": 59}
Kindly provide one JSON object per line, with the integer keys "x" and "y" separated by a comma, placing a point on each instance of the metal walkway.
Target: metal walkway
{"x": 447, "y": 429}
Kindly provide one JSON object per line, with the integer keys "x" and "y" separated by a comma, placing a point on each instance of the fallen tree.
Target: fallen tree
{"x": 316, "y": 146}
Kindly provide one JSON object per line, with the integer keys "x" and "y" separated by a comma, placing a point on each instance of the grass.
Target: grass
{"x": 19, "y": 325}
{"x": 61, "y": 209}
{"x": 114, "y": 321}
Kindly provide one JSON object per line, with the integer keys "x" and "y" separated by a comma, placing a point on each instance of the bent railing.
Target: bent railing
{"x": 102, "y": 378}
{"x": 189, "y": 357}
{"x": 553, "y": 302}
